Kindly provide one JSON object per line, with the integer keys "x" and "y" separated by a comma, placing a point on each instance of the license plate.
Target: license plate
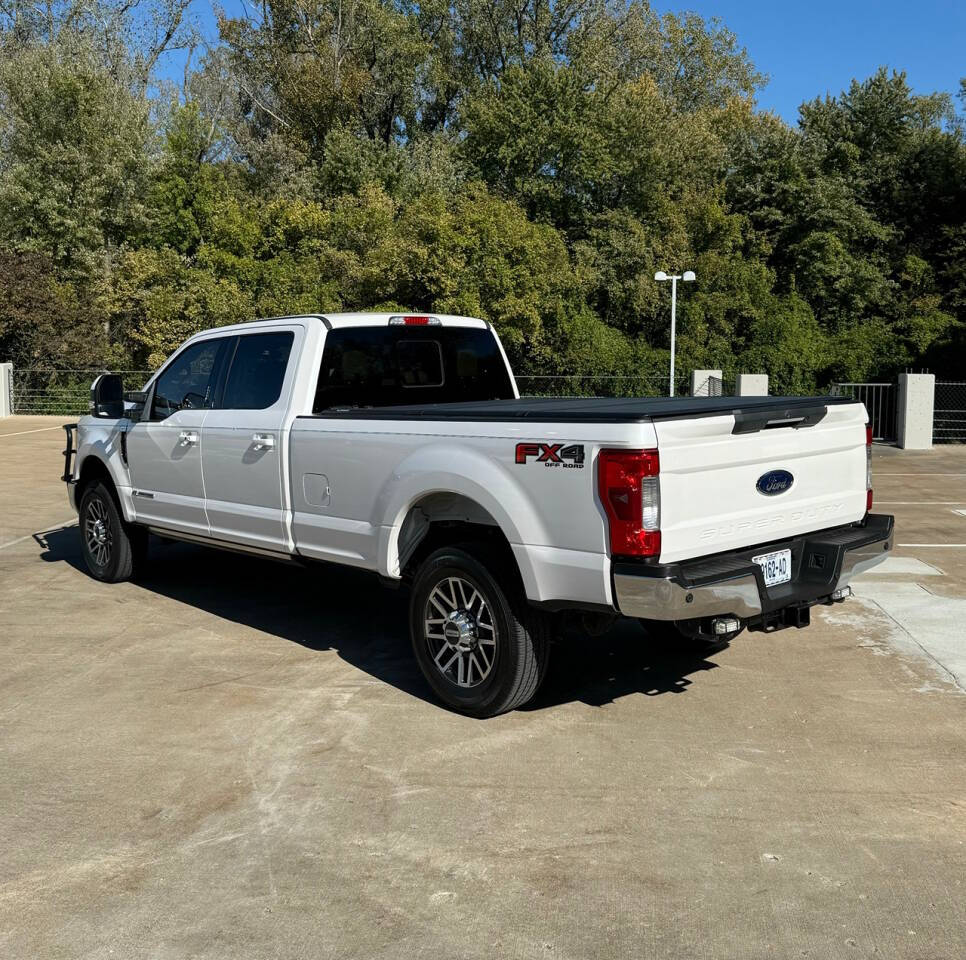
{"x": 777, "y": 566}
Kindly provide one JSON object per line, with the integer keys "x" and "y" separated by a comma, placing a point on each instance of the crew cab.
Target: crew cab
{"x": 399, "y": 444}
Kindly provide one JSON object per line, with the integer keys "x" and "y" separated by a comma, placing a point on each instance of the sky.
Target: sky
{"x": 812, "y": 47}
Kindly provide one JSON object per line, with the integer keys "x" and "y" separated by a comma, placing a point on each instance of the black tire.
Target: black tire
{"x": 520, "y": 634}
{"x": 113, "y": 550}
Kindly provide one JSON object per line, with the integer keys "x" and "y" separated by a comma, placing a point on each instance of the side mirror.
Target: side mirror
{"x": 107, "y": 397}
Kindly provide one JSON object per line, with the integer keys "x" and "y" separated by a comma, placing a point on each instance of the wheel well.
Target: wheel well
{"x": 93, "y": 469}
{"x": 440, "y": 519}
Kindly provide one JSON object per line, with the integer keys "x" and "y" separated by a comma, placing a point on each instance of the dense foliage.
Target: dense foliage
{"x": 528, "y": 161}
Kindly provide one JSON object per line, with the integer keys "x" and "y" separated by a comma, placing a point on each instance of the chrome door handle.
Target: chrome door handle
{"x": 263, "y": 441}
{"x": 188, "y": 437}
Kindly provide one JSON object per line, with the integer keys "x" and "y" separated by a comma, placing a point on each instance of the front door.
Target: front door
{"x": 243, "y": 443}
{"x": 164, "y": 451}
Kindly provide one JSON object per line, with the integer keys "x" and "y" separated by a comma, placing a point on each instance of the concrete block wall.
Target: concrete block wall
{"x": 917, "y": 392}
{"x": 752, "y": 385}
{"x": 6, "y": 389}
{"x": 748, "y": 384}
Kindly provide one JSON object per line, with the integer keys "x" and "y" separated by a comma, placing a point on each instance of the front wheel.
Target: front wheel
{"x": 480, "y": 645}
{"x": 113, "y": 550}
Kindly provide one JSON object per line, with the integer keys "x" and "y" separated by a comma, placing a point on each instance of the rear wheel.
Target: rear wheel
{"x": 480, "y": 645}
{"x": 113, "y": 550}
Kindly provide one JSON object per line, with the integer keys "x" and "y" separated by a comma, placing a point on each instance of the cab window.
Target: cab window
{"x": 392, "y": 366}
{"x": 257, "y": 371}
{"x": 188, "y": 381}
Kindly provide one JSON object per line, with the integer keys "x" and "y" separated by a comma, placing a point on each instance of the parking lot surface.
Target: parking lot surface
{"x": 239, "y": 759}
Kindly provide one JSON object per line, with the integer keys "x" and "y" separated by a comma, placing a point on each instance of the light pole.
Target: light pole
{"x": 687, "y": 277}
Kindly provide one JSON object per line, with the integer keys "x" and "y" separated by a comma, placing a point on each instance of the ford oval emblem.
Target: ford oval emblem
{"x": 774, "y": 482}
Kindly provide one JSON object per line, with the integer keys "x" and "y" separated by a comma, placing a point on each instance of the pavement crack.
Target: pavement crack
{"x": 929, "y": 656}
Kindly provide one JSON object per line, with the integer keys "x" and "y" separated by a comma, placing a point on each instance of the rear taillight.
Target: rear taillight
{"x": 627, "y": 481}
{"x": 868, "y": 467}
{"x": 414, "y": 320}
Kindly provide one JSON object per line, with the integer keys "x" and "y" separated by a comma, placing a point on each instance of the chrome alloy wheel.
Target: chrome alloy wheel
{"x": 460, "y": 633}
{"x": 97, "y": 531}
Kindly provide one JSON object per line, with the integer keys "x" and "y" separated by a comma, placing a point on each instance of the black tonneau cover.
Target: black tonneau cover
{"x": 602, "y": 409}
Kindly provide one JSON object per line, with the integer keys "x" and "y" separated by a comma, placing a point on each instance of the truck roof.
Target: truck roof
{"x": 382, "y": 319}
{"x": 336, "y": 320}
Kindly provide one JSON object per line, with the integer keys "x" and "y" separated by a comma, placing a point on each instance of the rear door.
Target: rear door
{"x": 164, "y": 450}
{"x": 716, "y": 492}
{"x": 243, "y": 438}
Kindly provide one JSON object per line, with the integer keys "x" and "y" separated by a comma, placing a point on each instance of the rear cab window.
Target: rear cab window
{"x": 257, "y": 371}
{"x": 396, "y": 366}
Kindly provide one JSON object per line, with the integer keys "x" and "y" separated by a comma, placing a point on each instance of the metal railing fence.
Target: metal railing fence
{"x": 720, "y": 387}
{"x": 880, "y": 401}
{"x": 949, "y": 412}
{"x": 46, "y": 391}
{"x": 49, "y": 391}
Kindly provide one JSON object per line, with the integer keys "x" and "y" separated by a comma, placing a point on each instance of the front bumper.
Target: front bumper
{"x": 731, "y": 584}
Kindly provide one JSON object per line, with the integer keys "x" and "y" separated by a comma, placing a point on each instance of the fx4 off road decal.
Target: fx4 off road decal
{"x": 569, "y": 455}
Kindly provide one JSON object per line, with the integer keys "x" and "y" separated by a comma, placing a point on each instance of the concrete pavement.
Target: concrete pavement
{"x": 922, "y": 588}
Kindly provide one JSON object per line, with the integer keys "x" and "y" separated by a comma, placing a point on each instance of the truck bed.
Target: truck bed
{"x": 590, "y": 409}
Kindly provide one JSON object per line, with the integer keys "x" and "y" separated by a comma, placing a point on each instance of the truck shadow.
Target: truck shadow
{"x": 329, "y": 607}
{"x": 619, "y": 663}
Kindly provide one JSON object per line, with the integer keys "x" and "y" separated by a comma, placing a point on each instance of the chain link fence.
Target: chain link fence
{"x": 949, "y": 412}
{"x": 41, "y": 391}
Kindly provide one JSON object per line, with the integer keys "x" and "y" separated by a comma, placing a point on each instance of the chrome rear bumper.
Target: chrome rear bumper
{"x": 667, "y": 599}
{"x": 731, "y": 583}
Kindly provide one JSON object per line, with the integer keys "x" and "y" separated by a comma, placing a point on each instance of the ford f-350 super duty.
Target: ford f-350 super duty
{"x": 399, "y": 444}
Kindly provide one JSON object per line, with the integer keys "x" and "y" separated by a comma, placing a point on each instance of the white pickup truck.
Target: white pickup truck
{"x": 399, "y": 444}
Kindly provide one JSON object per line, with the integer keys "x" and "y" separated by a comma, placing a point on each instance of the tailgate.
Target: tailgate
{"x": 711, "y": 467}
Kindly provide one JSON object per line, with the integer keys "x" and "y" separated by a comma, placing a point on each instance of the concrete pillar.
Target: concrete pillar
{"x": 6, "y": 389}
{"x": 700, "y": 387}
{"x": 752, "y": 385}
{"x": 915, "y": 412}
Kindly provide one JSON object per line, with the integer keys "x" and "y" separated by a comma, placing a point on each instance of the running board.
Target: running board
{"x": 224, "y": 545}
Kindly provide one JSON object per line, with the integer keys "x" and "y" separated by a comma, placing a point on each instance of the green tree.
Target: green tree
{"x": 531, "y": 162}
{"x": 73, "y": 159}
{"x": 45, "y": 322}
